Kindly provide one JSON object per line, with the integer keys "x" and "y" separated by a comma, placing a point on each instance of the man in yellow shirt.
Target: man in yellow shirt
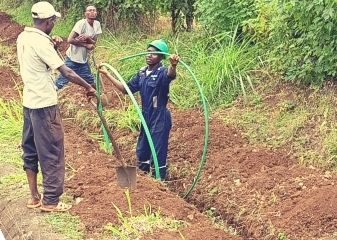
{"x": 43, "y": 136}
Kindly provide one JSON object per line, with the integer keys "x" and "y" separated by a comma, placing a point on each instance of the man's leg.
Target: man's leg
{"x": 143, "y": 152}
{"x": 48, "y": 136}
{"x": 32, "y": 182}
{"x": 160, "y": 140}
{"x": 30, "y": 157}
{"x": 84, "y": 71}
{"x": 61, "y": 81}
{"x": 160, "y": 132}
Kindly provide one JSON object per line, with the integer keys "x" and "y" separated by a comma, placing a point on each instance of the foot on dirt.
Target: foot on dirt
{"x": 60, "y": 207}
{"x": 34, "y": 202}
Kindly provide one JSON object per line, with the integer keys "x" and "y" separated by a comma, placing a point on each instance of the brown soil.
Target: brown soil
{"x": 260, "y": 192}
{"x": 9, "y": 30}
{"x": 9, "y": 82}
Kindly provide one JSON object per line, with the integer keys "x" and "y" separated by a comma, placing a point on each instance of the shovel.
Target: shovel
{"x": 126, "y": 175}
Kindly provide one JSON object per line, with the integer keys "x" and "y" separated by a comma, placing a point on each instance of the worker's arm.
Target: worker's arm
{"x": 114, "y": 81}
{"x": 73, "y": 77}
{"x": 92, "y": 40}
{"x": 172, "y": 71}
{"x": 81, "y": 40}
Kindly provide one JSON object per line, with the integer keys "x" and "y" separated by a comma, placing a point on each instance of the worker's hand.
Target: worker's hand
{"x": 103, "y": 70}
{"x": 82, "y": 38}
{"x": 91, "y": 93}
{"x": 174, "y": 59}
{"x": 90, "y": 46}
{"x": 57, "y": 40}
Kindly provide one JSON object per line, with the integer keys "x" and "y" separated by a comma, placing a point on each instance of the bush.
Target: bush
{"x": 219, "y": 16}
{"x": 300, "y": 37}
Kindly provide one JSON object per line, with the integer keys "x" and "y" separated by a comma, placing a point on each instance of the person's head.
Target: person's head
{"x": 156, "y": 46}
{"x": 90, "y": 12}
{"x": 44, "y": 16}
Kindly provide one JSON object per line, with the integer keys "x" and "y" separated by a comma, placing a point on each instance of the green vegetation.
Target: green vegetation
{"x": 221, "y": 65}
{"x": 219, "y": 16}
{"x": 13, "y": 179}
{"x": 124, "y": 118}
{"x": 282, "y": 236}
{"x": 67, "y": 225}
{"x": 11, "y": 120}
{"x": 296, "y": 38}
{"x": 7, "y": 56}
{"x": 306, "y": 125}
{"x": 12, "y": 176}
{"x": 134, "y": 227}
{"x": 219, "y": 222}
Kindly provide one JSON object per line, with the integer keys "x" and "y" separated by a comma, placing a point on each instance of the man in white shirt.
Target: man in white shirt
{"x": 43, "y": 136}
{"x": 82, "y": 40}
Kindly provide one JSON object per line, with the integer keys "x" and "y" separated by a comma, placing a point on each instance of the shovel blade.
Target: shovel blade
{"x": 127, "y": 176}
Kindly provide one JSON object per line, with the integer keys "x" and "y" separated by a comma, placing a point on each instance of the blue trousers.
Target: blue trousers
{"x": 82, "y": 69}
{"x": 159, "y": 127}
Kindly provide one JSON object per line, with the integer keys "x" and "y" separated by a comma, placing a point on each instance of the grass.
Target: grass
{"x": 11, "y": 120}
{"x": 13, "y": 179}
{"x": 138, "y": 226}
{"x": 221, "y": 65}
{"x": 10, "y": 153}
{"x": 124, "y": 118}
{"x": 135, "y": 227}
{"x": 219, "y": 222}
{"x": 66, "y": 224}
{"x": 302, "y": 122}
{"x": 8, "y": 57}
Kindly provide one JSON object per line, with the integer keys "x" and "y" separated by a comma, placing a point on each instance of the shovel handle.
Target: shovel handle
{"x": 114, "y": 144}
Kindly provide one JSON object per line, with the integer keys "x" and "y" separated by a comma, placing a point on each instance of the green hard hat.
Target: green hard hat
{"x": 161, "y": 45}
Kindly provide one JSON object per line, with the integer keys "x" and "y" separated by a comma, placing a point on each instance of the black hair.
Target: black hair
{"x": 90, "y": 5}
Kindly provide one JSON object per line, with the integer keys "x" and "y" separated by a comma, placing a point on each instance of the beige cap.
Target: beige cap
{"x": 44, "y": 10}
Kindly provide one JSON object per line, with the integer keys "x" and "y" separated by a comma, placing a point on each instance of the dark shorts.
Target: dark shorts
{"x": 43, "y": 143}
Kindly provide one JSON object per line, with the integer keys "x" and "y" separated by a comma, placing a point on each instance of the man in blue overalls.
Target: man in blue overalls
{"x": 153, "y": 82}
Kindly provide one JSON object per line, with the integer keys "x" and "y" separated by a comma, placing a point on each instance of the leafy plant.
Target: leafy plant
{"x": 282, "y": 236}
{"x": 219, "y": 16}
{"x": 299, "y": 38}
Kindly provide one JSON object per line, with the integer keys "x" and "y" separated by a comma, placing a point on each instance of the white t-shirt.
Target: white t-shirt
{"x": 37, "y": 58}
{"x": 79, "y": 54}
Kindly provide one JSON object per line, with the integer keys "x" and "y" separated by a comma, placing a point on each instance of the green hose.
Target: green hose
{"x": 107, "y": 141}
{"x": 146, "y": 129}
{"x": 204, "y": 103}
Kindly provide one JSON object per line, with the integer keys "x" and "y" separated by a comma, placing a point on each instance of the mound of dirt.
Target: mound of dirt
{"x": 94, "y": 183}
{"x": 261, "y": 192}
{"x": 9, "y": 82}
{"x": 9, "y": 29}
